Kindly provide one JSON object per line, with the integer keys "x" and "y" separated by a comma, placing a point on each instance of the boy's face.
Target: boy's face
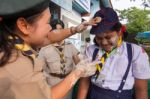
{"x": 107, "y": 40}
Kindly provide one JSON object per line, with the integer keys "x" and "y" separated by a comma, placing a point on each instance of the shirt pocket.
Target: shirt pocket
{"x": 69, "y": 63}
{"x": 53, "y": 64}
{"x": 38, "y": 65}
{"x": 120, "y": 66}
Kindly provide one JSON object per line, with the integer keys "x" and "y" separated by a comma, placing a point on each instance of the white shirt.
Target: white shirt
{"x": 115, "y": 67}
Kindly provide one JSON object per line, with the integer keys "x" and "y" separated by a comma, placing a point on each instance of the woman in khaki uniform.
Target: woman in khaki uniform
{"x": 60, "y": 59}
{"x": 24, "y": 26}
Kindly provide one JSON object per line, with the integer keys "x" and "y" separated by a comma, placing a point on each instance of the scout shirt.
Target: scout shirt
{"x": 20, "y": 79}
{"x": 116, "y": 64}
{"x": 52, "y": 58}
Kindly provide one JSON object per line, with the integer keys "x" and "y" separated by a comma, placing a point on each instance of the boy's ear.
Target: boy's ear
{"x": 23, "y": 26}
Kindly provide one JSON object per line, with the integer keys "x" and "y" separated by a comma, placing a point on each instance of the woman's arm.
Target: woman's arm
{"x": 59, "y": 35}
{"x": 83, "y": 69}
{"x": 83, "y": 88}
{"x": 141, "y": 91}
{"x": 60, "y": 90}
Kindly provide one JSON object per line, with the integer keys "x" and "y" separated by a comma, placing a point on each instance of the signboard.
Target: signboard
{"x": 66, "y": 4}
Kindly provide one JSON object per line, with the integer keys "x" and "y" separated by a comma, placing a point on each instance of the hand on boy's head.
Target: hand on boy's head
{"x": 95, "y": 20}
{"x": 83, "y": 26}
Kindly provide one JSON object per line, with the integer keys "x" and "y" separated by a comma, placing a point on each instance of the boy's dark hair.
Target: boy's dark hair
{"x": 54, "y": 22}
{"x": 94, "y": 40}
{"x": 117, "y": 28}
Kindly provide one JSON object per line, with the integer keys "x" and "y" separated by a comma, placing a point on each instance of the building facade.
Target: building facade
{"x": 71, "y": 12}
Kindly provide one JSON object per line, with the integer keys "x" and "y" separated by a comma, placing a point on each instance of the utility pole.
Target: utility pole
{"x": 105, "y": 3}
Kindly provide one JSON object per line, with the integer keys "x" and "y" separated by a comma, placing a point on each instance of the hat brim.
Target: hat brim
{"x": 22, "y": 8}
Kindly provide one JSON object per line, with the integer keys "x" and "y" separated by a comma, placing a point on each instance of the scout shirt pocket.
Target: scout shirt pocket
{"x": 120, "y": 66}
{"x": 69, "y": 63}
{"x": 39, "y": 65}
{"x": 53, "y": 64}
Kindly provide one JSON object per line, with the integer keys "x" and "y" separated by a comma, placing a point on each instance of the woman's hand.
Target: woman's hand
{"x": 83, "y": 26}
{"x": 86, "y": 67}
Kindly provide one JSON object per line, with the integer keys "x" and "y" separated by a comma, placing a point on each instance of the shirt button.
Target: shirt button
{"x": 119, "y": 91}
{"x": 124, "y": 80}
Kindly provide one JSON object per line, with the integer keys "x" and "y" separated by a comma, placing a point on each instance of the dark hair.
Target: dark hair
{"x": 94, "y": 40}
{"x": 7, "y": 29}
{"x": 125, "y": 35}
{"x": 54, "y": 23}
{"x": 87, "y": 39}
{"x": 117, "y": 28}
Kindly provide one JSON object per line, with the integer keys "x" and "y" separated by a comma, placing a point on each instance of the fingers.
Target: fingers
{"x": 83, "y": 26}
{"x": 89, "y": 71}
{"x": 95, "y": 62}
{"x": 93, "y": 22}
{"x": 89, "y": 23}
{"x": 96, "y": 20}
{"x": 86, "y": 61}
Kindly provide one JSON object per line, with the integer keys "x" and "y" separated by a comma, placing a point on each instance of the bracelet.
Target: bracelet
{"x": 72, "y": 31}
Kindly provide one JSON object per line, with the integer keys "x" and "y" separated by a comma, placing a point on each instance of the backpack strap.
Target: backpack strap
{"x": 129, "y": 52}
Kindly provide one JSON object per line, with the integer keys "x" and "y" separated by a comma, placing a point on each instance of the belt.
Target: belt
{"x": 59, "y": 75}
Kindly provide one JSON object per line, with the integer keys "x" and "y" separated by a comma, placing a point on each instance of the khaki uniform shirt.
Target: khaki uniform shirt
{"x": 20, "y": 79}
{"x": 52, "y": 59}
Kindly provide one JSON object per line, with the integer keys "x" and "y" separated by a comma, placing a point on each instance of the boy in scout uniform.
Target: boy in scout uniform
{"x": 123, "y": 65}
{"x": 24, "y": 26}
{"x": 60, "y": 58}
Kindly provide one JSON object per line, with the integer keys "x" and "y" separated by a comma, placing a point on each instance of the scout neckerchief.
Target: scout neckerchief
{"x": 104, "y": 57}
{"x": 25, "y": 48}
{"x": 60, "y": 50}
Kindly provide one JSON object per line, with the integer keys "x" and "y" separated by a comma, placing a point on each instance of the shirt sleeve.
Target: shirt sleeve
{"x": 41, "y": 54}
{"x": 89, "y": 51}
{"x": 141, "y": 66}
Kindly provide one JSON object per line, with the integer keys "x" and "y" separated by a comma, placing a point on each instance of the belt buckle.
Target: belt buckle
{"x": 61, "y": 76}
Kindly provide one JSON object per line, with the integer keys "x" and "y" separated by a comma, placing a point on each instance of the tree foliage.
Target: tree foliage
{"x": 138, "y": 20}
{"x": 146, "y": 3}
